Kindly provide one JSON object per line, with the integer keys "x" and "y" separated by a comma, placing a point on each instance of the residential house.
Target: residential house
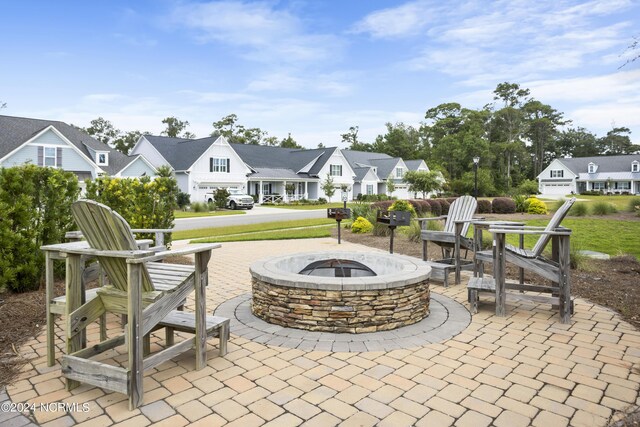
{"x": 606, "y": 174}
{"x": 205, "y": 164}
{"x": 59, "y": 145}
{"x": 373, "y": 170}
{"x": 274, "y": 174}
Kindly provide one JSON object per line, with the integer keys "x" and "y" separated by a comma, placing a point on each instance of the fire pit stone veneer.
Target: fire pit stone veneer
{"x": 397, "y": 296}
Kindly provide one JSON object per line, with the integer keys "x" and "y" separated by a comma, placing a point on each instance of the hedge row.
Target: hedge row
{"x": 35, "y": 210}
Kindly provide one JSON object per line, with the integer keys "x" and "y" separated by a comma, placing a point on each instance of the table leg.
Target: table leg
{"x": 499, "y": 274}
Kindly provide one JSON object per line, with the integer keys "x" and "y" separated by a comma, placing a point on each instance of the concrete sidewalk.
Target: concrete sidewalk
{"x": 520, "y": 370}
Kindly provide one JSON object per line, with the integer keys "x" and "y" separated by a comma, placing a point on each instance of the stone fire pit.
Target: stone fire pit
{"x": 396, "y": 295}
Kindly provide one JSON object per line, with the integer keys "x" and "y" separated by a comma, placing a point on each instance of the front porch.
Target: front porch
{"x": 284, "y": 191}
{"x": 610, "y": 186}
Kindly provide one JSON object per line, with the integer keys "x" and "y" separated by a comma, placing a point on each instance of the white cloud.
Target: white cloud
{"x": 406, "y": 20}
{"x": 264, "y": 33}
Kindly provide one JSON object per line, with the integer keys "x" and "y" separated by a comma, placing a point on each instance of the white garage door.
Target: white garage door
{"x": 556, "y": 189}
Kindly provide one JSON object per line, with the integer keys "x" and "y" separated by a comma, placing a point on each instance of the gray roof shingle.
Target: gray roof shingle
{"x": 15, "y": 131}
{"x": 605, "y": 163}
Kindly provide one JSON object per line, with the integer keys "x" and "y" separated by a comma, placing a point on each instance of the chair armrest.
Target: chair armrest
{"x": 432, "y": 218}
{"x": 191, "y": 249}
{"x": 556, "y": 232}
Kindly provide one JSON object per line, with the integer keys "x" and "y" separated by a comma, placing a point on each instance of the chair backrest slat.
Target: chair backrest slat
{"x": 554, "y": 223}
{"x": 106, "y": 230}
{"x": 462, "y": 209}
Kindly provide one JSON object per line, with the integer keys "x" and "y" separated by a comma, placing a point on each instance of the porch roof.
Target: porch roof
{"x": 604, "y": 176}
{"x": 276, "y": 173}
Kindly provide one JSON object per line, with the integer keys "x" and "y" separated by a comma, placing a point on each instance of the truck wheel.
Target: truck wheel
{"x": 232, "y": 205}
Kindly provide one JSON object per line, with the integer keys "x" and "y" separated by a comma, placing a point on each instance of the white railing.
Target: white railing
{"x": 271, "y": 198}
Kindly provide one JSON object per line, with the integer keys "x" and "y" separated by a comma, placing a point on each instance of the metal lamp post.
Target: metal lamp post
{"x": 476, "y": 160}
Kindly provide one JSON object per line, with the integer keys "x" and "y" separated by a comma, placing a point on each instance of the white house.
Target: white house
{"x": 58, "y": 145}
{"x": 606, "y": 174}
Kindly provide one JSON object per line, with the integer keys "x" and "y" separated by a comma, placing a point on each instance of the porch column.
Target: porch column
{"x": 260, "y": 191}
{"x": 306, "y": 195}
{"x": 286, "y": 194}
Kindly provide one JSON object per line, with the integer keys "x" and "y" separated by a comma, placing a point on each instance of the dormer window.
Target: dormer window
{"x": 399, "y": 172}
{"x": 557, "y": 173}
{"x": 592, "y": 168}
{"x": 102, "y": 158}
{"x": 635, "y": 166}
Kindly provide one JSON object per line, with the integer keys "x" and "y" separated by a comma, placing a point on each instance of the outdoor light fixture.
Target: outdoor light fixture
{"x": 476, "y": 160}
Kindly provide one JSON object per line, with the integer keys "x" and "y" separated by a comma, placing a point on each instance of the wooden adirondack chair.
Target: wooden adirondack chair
{"x": 556, "y": 268}
{"x": 453, "y": 236}
{"x": 147, "y": 292}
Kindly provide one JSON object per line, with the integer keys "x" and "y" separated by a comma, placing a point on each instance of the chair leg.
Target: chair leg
{"x": 223, "y": 336}
{"x": 473, "y": 296}
{"x": 103, "y": 327}
{"x": 169, "y": 336}
{"x": 51, "y": 336}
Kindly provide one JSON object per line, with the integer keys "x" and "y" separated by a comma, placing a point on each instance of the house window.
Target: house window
{"x": 624, "y": 185}
{"x": 369, "y": 189}
{"x": 218, "y": 165}
{"x": 557, "y": 173}
{"x": 597, "y": 186}
{"x": 635, "y": 167}
{"x": 103, "y": 159}
{"x": 399, "y": 172}
{"x": 50, "y": 156}
{"x": 592, "y": 168}
{"x": 335, "y": 170}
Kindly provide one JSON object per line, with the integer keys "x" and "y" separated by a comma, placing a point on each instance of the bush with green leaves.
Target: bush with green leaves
{"x": 603, "y": 208}
{"x": 220, "y": 197}
{"x": 35, "y": 210}
{"x": 528, "y": 187}
{"x": 536, "y": 206}
{"x": 484, "y": 206}
{"x": 519, "y": 200}
{"x": 361, "y": 225}
{"x": 360, "y": 209}
{"x": 183, "y": 200}
{"x": 403, "y": 206}
{"x": 503, "y": 205}
{"x": 143, "y": 202}
{"x": 634, "y": 204}
{"x": 579, "y": 209}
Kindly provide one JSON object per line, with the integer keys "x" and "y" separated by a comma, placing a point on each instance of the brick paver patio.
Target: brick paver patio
{"x": 523, "y": 369}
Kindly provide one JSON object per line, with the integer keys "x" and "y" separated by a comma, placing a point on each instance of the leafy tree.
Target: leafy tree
{"x": 225, "y": 126}
{"x": 400, "y": 141}
{"x": 351, "y": 138}
{"x": 175, "y": 127}
{"x": 220, "y": 197}
{"x": 391, "y": 186}
{"x": 125, "y": 142}
{"x": 423, "y": 181}
{"x": 617, "y": 142}
{"x": 102, "y": 130}
{"x": 465, "y": 184}
{"x": 542, "y": 124}
{"x": 328, "y": 188}
{"x": 289, "y": 142}
{"x": 576, "y": 143}
{"x": 321, "y": 145}
{"x": 228, "y": 127}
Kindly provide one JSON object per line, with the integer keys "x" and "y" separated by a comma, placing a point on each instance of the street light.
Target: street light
{"x": 476, "y": 160}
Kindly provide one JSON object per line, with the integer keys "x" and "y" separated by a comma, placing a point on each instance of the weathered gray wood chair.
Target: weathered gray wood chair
{"x": 555, "y": 268}
{"x": 146, "y": 291}
{"x": 452, "y": 239}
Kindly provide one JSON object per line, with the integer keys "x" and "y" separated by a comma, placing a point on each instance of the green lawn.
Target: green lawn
{"x": 596, "y": 234}
{"x": 311, "y": 207}
{"x": 290, "y": 233}
{"x": 620, "y": 202}
{"x": 249, "y": 228}
{"x": 183, "y": 214}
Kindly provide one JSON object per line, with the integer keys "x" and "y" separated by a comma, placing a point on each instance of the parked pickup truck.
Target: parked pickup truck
{"x": 237, "y": 199}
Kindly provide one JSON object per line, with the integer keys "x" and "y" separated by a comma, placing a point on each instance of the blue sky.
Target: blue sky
{"x": 314, "y": 68}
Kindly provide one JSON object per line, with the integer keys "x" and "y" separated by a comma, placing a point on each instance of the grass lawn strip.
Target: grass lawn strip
{"x": 312, "y": 232}
{"x": 249, "y": 228}
{"x": 183, "y": 214}
{"x": 312, "y": 207}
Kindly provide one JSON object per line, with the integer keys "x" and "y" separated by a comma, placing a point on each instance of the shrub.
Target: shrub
{"x": 404, "y": 206}
{"x": 528, "y": 187}
{"x": 143, "y": 202}
{"x": 603, "y": 208}
{"x": 35, "y": 210}
{"x": 220, "y": 197}
{"x": 382, "y": 205}
{"x": 360, "y": 209}
{"x": 361, "y": 225}
{"x": 199, "y": 207}
{"x": 503, "y": 205}
{"x": 322, "y": 201}
{"x": 519, "y": 200}
{"x": 421, "y": 206}
{"x": 436, "y": 207}
{"x": 579, "y": 209}
{"x": 484, "y": 206}
{"x": 183, "y": 199}
{"x": 450, "y": 200}
{"x": 378, "y": 229}
{"x": 634, "y": 204}
{"x": 536, "y": 206}
{"x": 414, "y": 232}
{"x": 444, "y": 206}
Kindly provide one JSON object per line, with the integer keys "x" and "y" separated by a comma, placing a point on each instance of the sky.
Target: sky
{"x": 314, "y": 68}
